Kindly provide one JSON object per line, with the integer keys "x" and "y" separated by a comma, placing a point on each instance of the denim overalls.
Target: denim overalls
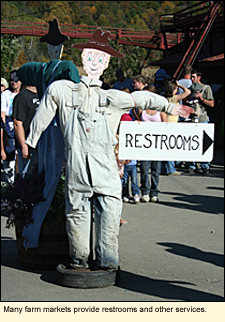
{"x": 92, "y": 172}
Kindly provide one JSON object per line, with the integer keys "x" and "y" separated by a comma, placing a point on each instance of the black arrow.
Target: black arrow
{"x": 207, "y": 142}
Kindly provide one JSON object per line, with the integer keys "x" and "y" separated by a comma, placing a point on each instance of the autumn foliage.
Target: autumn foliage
{"x": 142, "y": 15}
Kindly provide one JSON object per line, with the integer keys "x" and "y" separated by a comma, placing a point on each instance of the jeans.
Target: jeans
{"x": 155, "y": 167}
{"x": 168, "y": 167}
{"x": 106, "y": 230}
{"x": 130, "y": 170}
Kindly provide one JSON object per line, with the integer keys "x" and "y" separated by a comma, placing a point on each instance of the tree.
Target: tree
{"x": 150, "y": 17}
{"x": 75, "y": 15}
{"x": 10, "y": 49}
{"x": 87, "y": 20}
{"x": 103, "y": 21}
{"x": 8, "y": 10}
{"x": 139, "y": 23}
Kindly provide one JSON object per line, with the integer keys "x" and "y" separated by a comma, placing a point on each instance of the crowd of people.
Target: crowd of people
{"x": 17, "y": 112}
{"x": 188, "y": 90}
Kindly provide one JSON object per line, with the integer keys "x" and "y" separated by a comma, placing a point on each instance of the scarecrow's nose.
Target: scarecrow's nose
{"x": 94, "y": 61}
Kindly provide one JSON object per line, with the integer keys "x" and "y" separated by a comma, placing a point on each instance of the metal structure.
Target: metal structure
{"x": 142, "y": 38}
{"x": 195, "y": 23}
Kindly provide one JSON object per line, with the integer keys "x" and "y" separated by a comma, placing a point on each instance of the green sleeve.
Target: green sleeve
{"x": 208, "y": 94}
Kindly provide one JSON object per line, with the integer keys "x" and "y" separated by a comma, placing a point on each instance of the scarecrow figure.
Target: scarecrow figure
{"x": 89, "y": 117}
{"x": 51, "y": 144}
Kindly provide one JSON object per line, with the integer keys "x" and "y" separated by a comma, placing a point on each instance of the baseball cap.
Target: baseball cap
{"x": 4, "y": 82}
{"x": 160, "y": 74}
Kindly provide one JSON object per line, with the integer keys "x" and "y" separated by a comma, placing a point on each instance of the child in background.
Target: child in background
{"x": 130, "y": 170}
{"x": 120, "y": 164}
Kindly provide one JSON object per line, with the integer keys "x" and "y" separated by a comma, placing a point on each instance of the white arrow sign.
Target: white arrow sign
{"x": 166, "y": 141}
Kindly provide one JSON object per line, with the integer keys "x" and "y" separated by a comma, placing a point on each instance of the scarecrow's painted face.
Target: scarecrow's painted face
{"x": 94, "y": 62}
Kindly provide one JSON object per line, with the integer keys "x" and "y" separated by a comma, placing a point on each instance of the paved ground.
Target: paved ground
{"x": 170, "y": 251}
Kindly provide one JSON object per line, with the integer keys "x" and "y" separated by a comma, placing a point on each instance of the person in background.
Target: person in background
{"x": 120, "y": 164}
{"x": 159, "y": 81}
{"x": 25, "y": 105}
{"x": 204, "y": 95}
{"x": 3, "y": 153}
{"x": 166, "y": 79}
{"x": 7, "y": 97}
{"x": 150, "y": 192}
{"x": 4, "y": 84}
{"x": 139, "y": 83}
{"x": 130, "y": 169}
{"x": 205, "y": 99}
{"x": 122, "y": 81}
{"x": 171, "y": 94}
{"x": 104, "y": 84}
{"x": 185, "y": 81}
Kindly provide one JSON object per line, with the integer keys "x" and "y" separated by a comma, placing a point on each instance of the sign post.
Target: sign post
{"x": 166, "y": 141}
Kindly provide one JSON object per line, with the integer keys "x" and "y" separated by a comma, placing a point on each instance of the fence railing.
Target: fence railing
{"x": 143, "y": 38}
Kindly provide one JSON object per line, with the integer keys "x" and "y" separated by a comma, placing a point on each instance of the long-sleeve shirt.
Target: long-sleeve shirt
{"x": 59, "y": 96}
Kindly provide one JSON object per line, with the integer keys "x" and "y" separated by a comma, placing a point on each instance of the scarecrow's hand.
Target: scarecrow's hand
{"x": 182, "y": 110}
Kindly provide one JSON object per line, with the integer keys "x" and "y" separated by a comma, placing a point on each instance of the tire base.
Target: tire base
{"x": 86, "y": 279}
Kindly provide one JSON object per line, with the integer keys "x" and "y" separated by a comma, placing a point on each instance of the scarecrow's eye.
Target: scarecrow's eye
{"x": 100, "y": 59}
{"x": 89, "y": 57}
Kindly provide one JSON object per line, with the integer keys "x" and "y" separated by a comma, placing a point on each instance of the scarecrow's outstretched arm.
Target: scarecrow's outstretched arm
{"x": 148, "y": 100}
{"x": 119, "y": 102}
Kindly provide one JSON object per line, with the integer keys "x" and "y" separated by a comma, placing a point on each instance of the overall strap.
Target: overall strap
{"x": 102, "y": 102}
{"x": 75, "y": 96}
